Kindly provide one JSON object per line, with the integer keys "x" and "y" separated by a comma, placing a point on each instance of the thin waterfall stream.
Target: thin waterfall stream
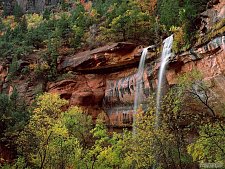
{"x": 166, "y": 54}
{"x": 139, "y": 91}
{"x": 139, "y": 80}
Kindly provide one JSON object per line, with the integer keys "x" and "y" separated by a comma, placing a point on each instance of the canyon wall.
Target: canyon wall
{"x": 104, "y": 79}
{"x": 113, "y": 72}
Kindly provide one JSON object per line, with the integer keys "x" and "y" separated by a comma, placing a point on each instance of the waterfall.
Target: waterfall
{"x": 139, "y": 80}
{"x": 139, "y": 92}
{"x": 166, "y": 54}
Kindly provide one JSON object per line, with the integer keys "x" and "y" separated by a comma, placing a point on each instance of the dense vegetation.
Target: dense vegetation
{"x": 47, "y": 135}
{"x": 52, "y": 137}
{"x": 76, "y": 25}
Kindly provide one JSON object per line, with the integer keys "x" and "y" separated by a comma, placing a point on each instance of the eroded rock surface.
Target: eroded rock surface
{"x": 208, "y": 59}
{"x": 86, "y": 91}
{"x": 215, "y": 13}
{"x": 108, "y": 58}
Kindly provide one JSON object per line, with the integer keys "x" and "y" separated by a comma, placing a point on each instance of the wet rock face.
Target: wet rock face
{"x": 113, "y": 90}
{"x": 208, "y": 59}
{"x": 111, "y": 85}
{"x": 119, "y": 99}
{"x": 101, "y": 82}
{"x": 88, "y": 89}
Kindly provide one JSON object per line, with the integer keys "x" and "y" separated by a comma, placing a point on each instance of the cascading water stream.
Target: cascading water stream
{"x": 139, "y": 80}
{"x": 166, "y": 54}
{"x": 139, "y": 92}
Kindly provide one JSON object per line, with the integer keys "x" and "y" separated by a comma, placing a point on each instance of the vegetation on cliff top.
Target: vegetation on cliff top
{"x": 77, "y": 26}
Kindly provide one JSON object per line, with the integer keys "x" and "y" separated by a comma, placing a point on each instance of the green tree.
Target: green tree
{"x": 35, "y": 139}
{"x": 64, "y": 150}
{"x": 106, "y": 151}
{"x": 91, "y": 157}
{"x": 17, "y": 12}
{"x": 169, "y": 12}
{"x": 13, "y": 42}
{"x": 127, "y": 21}
{"x": 55, "y": 138}
{"x": 209, "y": 146}
{"x": 79, "y": 125}
{"x": 150, "y": 145}
{"x": 182, "y": 15}
{"x": 13, "y": 118}
{"x": 162, "y": 141}
{"x": 80, "y": 21}
{"x": 13, "y": 68}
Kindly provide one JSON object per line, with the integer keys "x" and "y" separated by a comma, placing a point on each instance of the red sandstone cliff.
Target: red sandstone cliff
{"x": 103, "y": 79}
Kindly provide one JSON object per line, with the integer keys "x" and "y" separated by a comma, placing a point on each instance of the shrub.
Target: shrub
{"x": 33, "y": 20}
{"x": 13, "y": 67}
{"x": 17, "y": 12}
{"x": 35, "y": 36}
{"x": 14, "y": 42}
{"x": 169, "y": 13}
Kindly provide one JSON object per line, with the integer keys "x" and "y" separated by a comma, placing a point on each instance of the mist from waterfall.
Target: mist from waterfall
{"x": 165, "y": 56}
